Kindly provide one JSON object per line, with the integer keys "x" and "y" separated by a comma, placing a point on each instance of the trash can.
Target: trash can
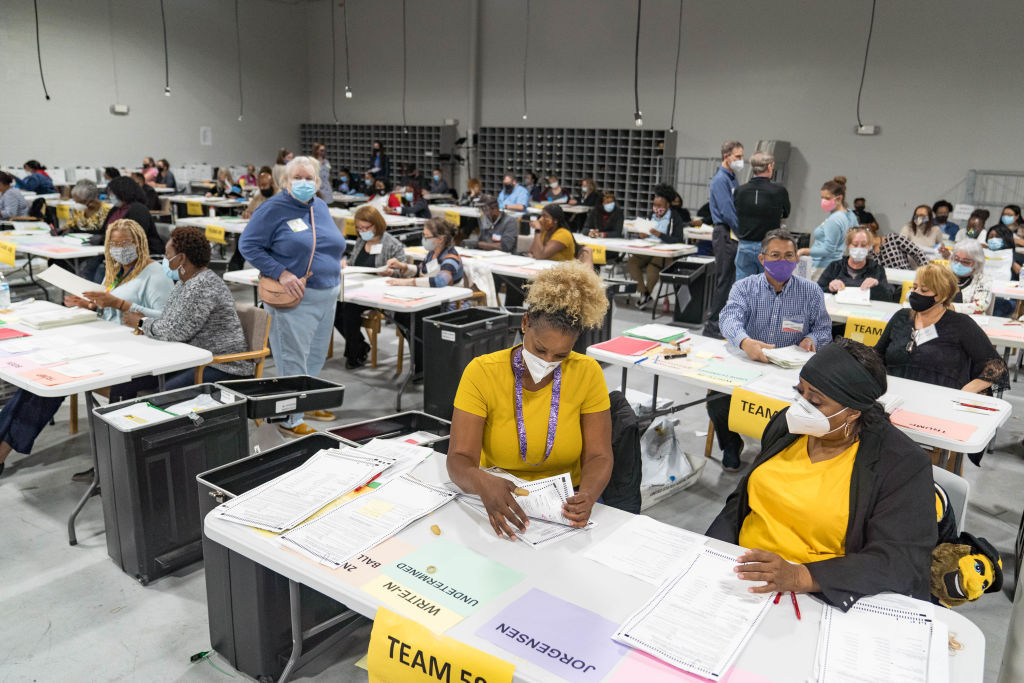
{"x": 451, "y": 340}
{"x": 603, "y": 333}
{"x": 146, "y": 473}
{"x": 693, "y": 283}
{"x": 397, "y": 426}
{"x": 515, "y": 322}
{"x": 270, "y": 397}
{"x": 248, "y": 604}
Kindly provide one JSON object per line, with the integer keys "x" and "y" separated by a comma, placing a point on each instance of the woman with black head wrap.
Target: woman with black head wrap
{"x": 839, "y": 502}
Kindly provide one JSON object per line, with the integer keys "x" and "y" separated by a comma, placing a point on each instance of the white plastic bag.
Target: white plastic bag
{"x": 661, "y": 454}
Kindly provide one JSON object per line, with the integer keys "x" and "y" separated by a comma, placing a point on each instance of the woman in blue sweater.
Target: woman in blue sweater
{"x": 828, "y": 242}
{"x": 278, "y": 241}
{"x": 37, "y": 180}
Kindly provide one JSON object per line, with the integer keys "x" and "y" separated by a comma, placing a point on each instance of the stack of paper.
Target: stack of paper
{"x": 890, "y": 401}
{"x": 539, "y": 534}
{"x": 406, "y": 456}
{"x": 700, "y": 619}
{"x": 197, "y": 404}
{"x": 627, "y": 346}
{"x": 882, "y": 638}
{"x": 788, "y": 357}
{"x": 647, "y": 549}
{"x": 514, "y": 261}
{"x": 68, "y": 281}
{"x": 659, "y": 333}
{"x": 854, "y": 296}
{"x": 416, "y": 438}
{"x": 58, "y": 318}
{"x": 137, "y": 415}
{"x": 365, "y": 521}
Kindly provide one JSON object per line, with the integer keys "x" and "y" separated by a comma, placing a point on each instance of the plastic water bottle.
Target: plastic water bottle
{"x": 5, "y": 293}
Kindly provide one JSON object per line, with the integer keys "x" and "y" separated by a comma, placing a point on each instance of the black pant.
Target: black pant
{"x": 348, "y": 319}
{"x": 718, "y": 411}
{"x": 725, "y": 275}
{"x": 403, "y": 319}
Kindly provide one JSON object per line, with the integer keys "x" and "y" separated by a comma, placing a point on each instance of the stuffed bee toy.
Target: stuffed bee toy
{"x": 963, "y": 567}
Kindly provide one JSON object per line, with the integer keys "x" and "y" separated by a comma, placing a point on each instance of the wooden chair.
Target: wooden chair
{"x": 371, "y": 320}
{"x": 256, "y": 330}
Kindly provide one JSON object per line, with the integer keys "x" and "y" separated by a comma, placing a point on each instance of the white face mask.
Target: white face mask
{"x": 803, "y": 418}
{"x": 858, "y": 253}
{"x": 538, "y": 367}
{"x": 736, "y": 166}
{"x": 553, "y": 186}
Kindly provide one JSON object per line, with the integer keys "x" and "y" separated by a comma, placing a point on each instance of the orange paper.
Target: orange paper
{"x": 49, "y": 377}
{"x": 948, "y": 429}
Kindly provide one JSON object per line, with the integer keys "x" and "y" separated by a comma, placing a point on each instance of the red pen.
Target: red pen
{"x": 796, "y": 607}
{"x": 973, "y": 405}
{"x": 369, "y": 482}
{"x": 777, "y": 596}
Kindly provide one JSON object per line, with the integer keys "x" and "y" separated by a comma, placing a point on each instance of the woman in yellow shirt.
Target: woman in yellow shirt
{"x": 839, "y": 502}
{"x": 553, "y": 241}
{"x": 538, "y": 409}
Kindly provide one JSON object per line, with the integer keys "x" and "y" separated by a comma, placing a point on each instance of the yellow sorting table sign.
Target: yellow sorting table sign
{"x": 402, "y": 650}
{"x": 194, "y": 208}
{"x": 749, "y": 413}
{"x": 7, "y": 250}
{"x": 215, "y": 233}
{"x": 453, "y": 217}
{"x": 600, "y": 254}
{"x": 350, "y": 227}
{"x": 63, "y": 212}
{"x": 864, "y": 330}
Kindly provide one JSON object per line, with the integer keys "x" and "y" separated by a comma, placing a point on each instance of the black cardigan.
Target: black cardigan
{"x": 596, "y": 221}
{"x": 678, "y": 222}
{"x": 891, "y": 530}
{"x": 140, "y": 214}
{"x": 872, "y": 268}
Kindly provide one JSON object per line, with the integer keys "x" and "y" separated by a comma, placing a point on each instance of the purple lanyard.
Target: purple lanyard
{"x": 518, "y": 368}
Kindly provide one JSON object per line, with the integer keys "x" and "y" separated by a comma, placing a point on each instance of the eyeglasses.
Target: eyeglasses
{"x": 121, "y": 245}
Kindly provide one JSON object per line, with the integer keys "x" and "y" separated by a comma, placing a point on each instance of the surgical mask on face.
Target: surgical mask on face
{"x": 736, "y": 166}
{"x": 804, "y": 418}
{"x": 960, "y": 270}
{"x": 585, "y": 190}
{"x": 507, "y": 187}
{"x": 367, "y": 235}
{"x": 367, "y": 182}
{"x": 1008, "y": 220}
{"x": 828, "y": 205}
{"x": 995, "y": 243}
{"x": 124, "y": 255}
{"x": 780, "y": 270}
{"x": 553, "y": 186}
{"x": 408, "y": 196}
{"x": 436, "y": 177}
{"x": 303, "y": 190}
{"x": 114, "y": 201}
{"x": 858, "y": 253}
{"x": 173, "y": 274}
{"x": 659, "y": 214}
{"x": 538, "y": 367}
{"x": 918, "y": 220}
{"x": 430, "y": 243}
{"x": 609, "y": 207}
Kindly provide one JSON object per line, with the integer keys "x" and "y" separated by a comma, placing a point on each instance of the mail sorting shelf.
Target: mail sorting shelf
{"x": 248, "y": 605}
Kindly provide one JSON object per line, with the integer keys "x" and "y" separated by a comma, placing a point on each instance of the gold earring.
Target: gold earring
{"x": 846, "y": 429}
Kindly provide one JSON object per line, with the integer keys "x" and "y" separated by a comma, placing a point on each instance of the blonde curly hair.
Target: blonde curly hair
{"x": 569, "y": 296}
{"x": 111, "y": 268}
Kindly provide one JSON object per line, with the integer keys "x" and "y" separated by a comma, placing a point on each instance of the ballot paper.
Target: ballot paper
{"x": 546, "y": 495}
{"x": 700, "y": 619}
{"x": 68, "y": 281}
{"x": 788, "y": 356}
{"x": 407, "y": 293}
{"x": 289, "y": 499}
{"x": 416, "y": 438}
{"x": 64, "y": 353}
{"x": 406, "y": 456}
{"x": 365, "y": 521}
{"x": 882, "y": 638}
{"x": 657, "y": 332}
{"x": 135, "y": 416}
{"x": 854, "y": 296}
{"x": 514, "y": 261}
{"x": 647, "y": 549}
{"x": 356, "y": 270}
{"x": 539, "y": 533}
{"x": 776, "y": 385}
{"x": 58, "y": 317}
{"x": 198, "y": 404}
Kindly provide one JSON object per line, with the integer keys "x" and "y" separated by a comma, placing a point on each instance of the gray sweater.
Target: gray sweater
{"x": 390, "y": 247}
{"x": 201, "y": 312}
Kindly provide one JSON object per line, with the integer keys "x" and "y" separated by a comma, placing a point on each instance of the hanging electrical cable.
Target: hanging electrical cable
{"x": 238, "y": 50}
{"x": 864, "y": 68}
{"x": 675, "y": 79}
{"x": 526, "y": 55}
{"x": 405, "y": 68}
{"x": 167, "y": 61}
{"x": 344, "y": 26}
{"x": 39, "y": 50}
{"x": 334, "y": 65}
{"x": 638, "y": 117}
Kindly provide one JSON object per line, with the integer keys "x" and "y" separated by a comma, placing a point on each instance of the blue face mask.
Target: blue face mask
{"x": 367, "y": 235}
{"x": 303, "y": 190}
{"x": 437, "y": 177}
{"x": 995, "y": 243}
{"x": 609, "y": 207}
{"x": 114, "y": 201}
{"x": 173, "y": 274}
{"x": 408, "y": 196}
{"x": 1008, "y": 220}
{"x": 960, "y": 270}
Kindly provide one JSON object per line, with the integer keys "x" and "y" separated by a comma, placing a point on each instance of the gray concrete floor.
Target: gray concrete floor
{"x": 70, "y": 614}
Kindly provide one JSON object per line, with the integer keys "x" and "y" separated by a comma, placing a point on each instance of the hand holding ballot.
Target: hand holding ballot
{"x": 755, "y": 349}
{"x": 498, "y": 497}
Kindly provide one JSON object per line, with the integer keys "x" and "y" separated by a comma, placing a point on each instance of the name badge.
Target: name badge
{"x": 297, "y": 225}
{"x": 376, "y": 248}
{"x": 925, "y": 335}
{"x": 495, "y": 238}
{"x": 433, "y": 268}
{"x": 793, "y": 325}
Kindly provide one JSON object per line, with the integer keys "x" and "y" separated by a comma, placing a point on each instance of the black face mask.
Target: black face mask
{"x": 940, "y": 219}
{"x": 508, "y": 187}
{"x": 920, "y": 302}
{"x": 268, "y": 192}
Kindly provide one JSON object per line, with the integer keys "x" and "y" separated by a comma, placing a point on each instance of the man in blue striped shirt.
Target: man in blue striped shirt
{"x": 723, "y": 213}
{"x": 765, "y": 311}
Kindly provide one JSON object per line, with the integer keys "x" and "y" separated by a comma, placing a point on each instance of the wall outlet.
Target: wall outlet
{"x": 119, "y": 109}
{"x": 868, "y": 130}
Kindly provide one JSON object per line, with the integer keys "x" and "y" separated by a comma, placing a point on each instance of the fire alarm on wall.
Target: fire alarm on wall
{"x": 868, "y": 130}
{"x": 119, "y": 109}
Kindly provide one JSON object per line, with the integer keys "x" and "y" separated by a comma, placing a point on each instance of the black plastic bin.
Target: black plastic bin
{"x": 273, "y": 396}
{"x": 597, "y": 335}
{"x": 397, "y": 425}
{"x": 515, "y": 322}
{"x": 450, "y": 341}
{"x": 149, "y": 505}
{"x": 248, "y": 604}
{"x": 693, "y": 283}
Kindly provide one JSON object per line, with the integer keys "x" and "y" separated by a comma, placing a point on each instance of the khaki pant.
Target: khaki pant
{"x": 645, "y": 270}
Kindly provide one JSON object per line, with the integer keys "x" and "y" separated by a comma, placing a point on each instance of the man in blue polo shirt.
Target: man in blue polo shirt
{"x": 514, "y": 196}
{"x": 723, "y": 214}
{"x": 765, "y": 311}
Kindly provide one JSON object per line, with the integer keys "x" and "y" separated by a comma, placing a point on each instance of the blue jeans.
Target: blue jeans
{"x": 746, "y": 259}
{"x": 300, "y": 336}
